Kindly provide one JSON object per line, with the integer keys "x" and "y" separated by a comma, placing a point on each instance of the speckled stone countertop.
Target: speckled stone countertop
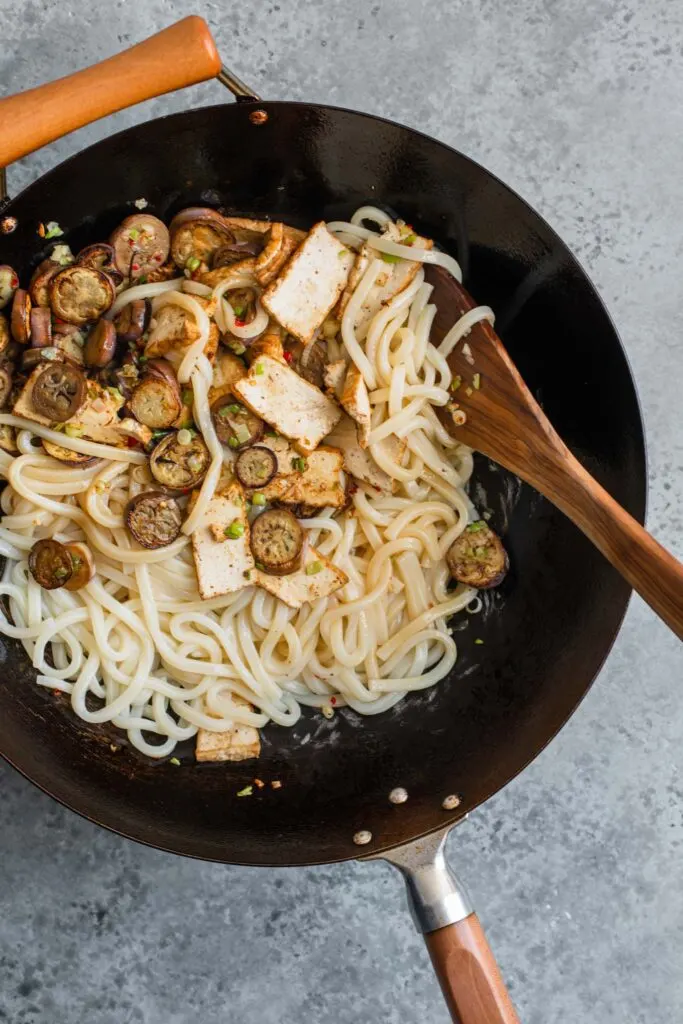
{"x": 576, "y": 866}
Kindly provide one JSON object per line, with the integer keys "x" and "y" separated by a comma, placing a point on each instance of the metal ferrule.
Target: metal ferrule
{"x": 435, "y": 895}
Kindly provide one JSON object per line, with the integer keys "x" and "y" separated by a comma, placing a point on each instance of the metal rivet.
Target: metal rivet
{"x": 258, "y": 117}
{"x": 449, "y": 803}
{"x": 363, "y": 837}
{"x": 398, "y": 795}
{"x": 8, "y": 225}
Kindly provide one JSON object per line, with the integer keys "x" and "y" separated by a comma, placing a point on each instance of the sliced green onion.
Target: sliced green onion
{"x": 184, "y": 437}
{"x": 299, "y": 464}
{"x": 258, "y": 369}
{"x": 72, "y": 430}
{"x": 174, "y": 761}
{"x": 479, "y": 642}
{"x": 233, "y": 442}
{"x": 238, "y": 310}
{"x": 237, "y": 347}
{"x": 389, "y": 257}
{"x": 258, "y": 498}
{"x": 242, "y": 434}
{"x": 234, "y": 409}
{"x": 476, "y": 526}
{"x": 409, "y": 239}
{"x": 194, "y": 263}
{"x": 476, "y": 381}
{"x": 52, "y": 229}
{"x": 188, "y": 396}
{"x": 247, "y": 791}
{"x": 456, "y": 382}
{"x": 314, "y": 567}
{"x": 235, "y": 530}
{"x": 260, "y": 566}
{"x": 134, "y": 234}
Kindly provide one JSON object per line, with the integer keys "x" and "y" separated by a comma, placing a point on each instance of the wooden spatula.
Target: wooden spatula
{"x": 503, "y": 421}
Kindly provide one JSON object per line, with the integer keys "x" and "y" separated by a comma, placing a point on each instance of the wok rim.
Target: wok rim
{"x": 444, "y": 821}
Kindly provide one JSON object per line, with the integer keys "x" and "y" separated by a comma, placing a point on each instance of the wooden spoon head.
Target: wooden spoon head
{"x": 502, "y": 418}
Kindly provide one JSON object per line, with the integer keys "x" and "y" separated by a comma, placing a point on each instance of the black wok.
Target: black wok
{"x": 546, "y": 632}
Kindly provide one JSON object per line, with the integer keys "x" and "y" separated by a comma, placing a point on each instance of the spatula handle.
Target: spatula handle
{"x": 180, "y": 55}
{"x": 650, "y": 569}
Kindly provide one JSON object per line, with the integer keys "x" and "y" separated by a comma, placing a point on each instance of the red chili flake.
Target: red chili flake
{"x": 333, "y": 701}
{"x": 57, "y": 693}
{"x": 240, "y": 323}
{"x": 133, "y": 442}
{"x": 288, "y": 356}
{"x": 14, "y": 283}
{"x": 131, "y": 242}
{"x": 158, "y": 257}
{"x": 135, "y": 267}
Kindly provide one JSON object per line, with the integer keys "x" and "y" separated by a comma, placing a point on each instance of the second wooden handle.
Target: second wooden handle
{"x": 180, "y": 55}
{"x": 469, "y": 976}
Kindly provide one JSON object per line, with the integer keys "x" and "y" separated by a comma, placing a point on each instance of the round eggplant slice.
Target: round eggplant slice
{"x": 236, "y": 251}
{"x": 6, "y": 371}
{"x": 39, "y": 287}
{"x": 255, "y": 466}
{"x": 141, "y": 244}
{"x": 32, "y": 357}
{"x": 276, "y": 541}
{"x": 133, "y": 320}
{"x": 9, "y": 282}
{"x": 80, "y": 294}
{"x": 154, "y": 519}
{"x": 5, "y": 334}
{"x": 236, "y": 426}
{"x": 82, "y": 564}
{"x": 162, "y": 369}
{"x": 21, "y": 317}
{"x": 8, "y": 439}
{"x": 67, "y": 456}
{"x": 477, "y": 557}
{"x": 156, "y": 402}
{"x": 100, "y": 348}
{"x": 41, "y": 327}
{"x": 50, "y": 564}
{"x": 100, "y": 256}
{"x": 301, "y": 511}
{"x": 179, "y": 466}
{"x": 311, "y": 366}
{"x": 59, "y": 392}
{"x": 196, "y": 234}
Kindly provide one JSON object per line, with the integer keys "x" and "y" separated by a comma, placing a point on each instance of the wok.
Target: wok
{"x": 545, "y": 633}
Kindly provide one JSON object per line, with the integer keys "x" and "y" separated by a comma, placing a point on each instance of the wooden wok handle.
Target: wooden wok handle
{"x": 180, "y": 55}
{"x": 470, "y": 980}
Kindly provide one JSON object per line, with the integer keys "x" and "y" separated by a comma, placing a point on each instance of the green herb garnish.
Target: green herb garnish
{"x": 479, "y": 642}
{"x": 174, "y": 761}
{"x": 475, "y": 527}
{"x": 193, "y": 263}
{"x": 476, "y": 381}
{"x": 314, "y": 567}
{"x": 299, "y": 464}
{"x": 233, "y": 442}
{"x": 389, "y": 257}
{"x": 235, "y": 530}
{"x": 258, "y": 498}
{"x": 258, "y": 369}
{"x": 456, "y": 382}
{"x": 52, "y": 229}
{"x": 247, "y": 791}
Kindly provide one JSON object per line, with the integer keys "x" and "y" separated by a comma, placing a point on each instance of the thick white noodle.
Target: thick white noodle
{"x": 139, "y": 648}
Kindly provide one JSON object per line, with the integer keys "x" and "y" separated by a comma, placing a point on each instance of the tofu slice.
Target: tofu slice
{"x": 321, "y": 484}
{"x": 240, "y": 743}
{"x": 285, "y": 454}
{"x": 393, "y": 278}
{"x": 356, "y": 402}
{"x": 334, "y": 376}
{"x": 97, "y": 420}
{"x": 281, "y": 244}
{"x": 175, "y": 330}
{"x": 310, "y": 285}
{"x": 227, "y": 370}
{"x": 223, "y": 566}
{"x": 359, "y": 462}
{"x": 299, "y": 588}
{"x": 290, "y": 404}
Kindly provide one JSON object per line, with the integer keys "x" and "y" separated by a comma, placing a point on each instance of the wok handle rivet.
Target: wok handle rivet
{"x": 449, "y": 803}
{"x": 363, "y": 837}
{"x": 398, "y": 795}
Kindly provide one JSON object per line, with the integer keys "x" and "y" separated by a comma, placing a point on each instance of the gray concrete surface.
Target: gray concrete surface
{"x": 576, "y": 867}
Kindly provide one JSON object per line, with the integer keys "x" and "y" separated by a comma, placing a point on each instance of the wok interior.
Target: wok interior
{"x": 545, "y": 632}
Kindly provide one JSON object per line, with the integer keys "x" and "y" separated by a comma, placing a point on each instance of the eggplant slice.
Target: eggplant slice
{"x": 5, "y": 334}
{"x": 477, "y": 557}
{"x": 6, "y": 371}
{"x": 100, "y": 348}
{"x": 59, "y": 392}
{"x": 156, "y": 402}
{"x": 235, "y": 425}
{"x": 50, "y": 564}
{"x": 41, "y": 327}
{"x": 81, "y": 294}
{"x": 9, "y": 282}
{"x": 277, "y": 540}
{"x": 154, "y": 519}
{"x": 179, "y": 466}
{"x": 21, "y": 317}
{"x": 67, "y": 456}
{"x": 133, "y": 320}
{"x": 39, "y": 285}
{"x": 141, "y": 244}
{"x": 82, "y": 565}
{"x": 255, "y": 466}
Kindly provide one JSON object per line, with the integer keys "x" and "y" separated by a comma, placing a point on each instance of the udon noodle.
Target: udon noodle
{"x": 137, "y": 646}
